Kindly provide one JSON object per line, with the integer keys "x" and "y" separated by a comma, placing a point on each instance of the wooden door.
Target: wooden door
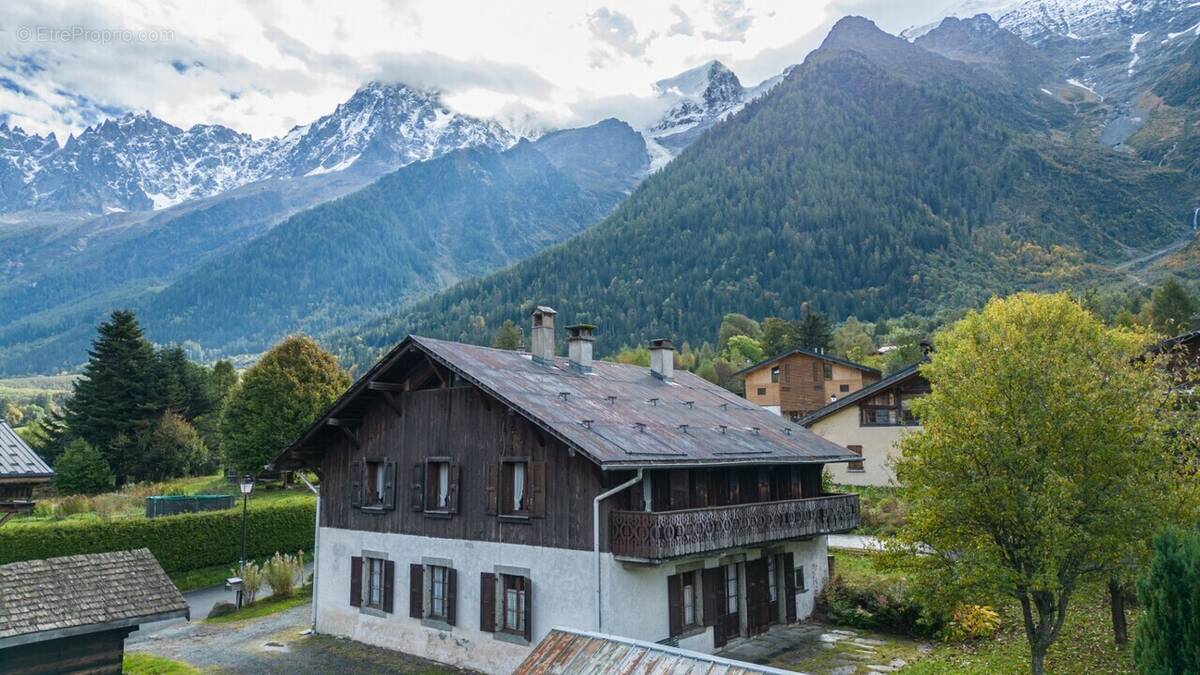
{"x": 758, "y": 597}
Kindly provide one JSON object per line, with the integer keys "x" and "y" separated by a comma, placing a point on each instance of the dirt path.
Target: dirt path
{"x": 276, "y": 644}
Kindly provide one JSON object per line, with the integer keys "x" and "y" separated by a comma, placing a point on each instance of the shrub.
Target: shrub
{"x": 73, "y": 505}
{"x": 252, "y": 581}
{"x": 181, "y": 543}
{"x": 82, "y": 470}
{"x": 222, "y": 609}
{"x": 283, "y": 573}
{"x": 1167, "y": 639}
{"x": 885, "y": 605}
{"x": 971, "y": 622}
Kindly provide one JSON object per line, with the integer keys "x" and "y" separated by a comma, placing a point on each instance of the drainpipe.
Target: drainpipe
{"x": 596, "y": 541}
{"x": 316, "y": 546}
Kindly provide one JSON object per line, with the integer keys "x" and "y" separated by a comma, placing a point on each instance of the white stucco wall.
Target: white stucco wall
{"x": 563, "y": 582}
{"x": 879, "y": 444}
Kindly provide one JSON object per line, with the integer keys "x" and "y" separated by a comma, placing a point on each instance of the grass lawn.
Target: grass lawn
{"x": 137, "y": 663}
{"x": 261, "y": 608}
{"x": 1084, "y": 647}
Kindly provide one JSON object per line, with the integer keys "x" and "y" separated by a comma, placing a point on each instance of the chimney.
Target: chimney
{"x": 579, "y": 346}
{"x": 662, "y": 359}
{"x": 543, "y": 334}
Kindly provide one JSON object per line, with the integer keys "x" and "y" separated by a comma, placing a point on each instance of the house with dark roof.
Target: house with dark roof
{"x": 72, "y": 614}
{"x": 473, "y": 498}
{"x": 796, "y": 383}
{"x": 21, "y": 470}
{"x": 870, "y": 423}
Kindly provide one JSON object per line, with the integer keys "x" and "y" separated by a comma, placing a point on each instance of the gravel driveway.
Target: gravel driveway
{"x": 275, "y": 644}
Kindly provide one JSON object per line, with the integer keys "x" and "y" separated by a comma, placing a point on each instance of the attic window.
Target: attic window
{"x": 775, "y": 375}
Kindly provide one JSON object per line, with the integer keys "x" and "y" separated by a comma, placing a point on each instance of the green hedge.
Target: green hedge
{"x": 181, "y": 543}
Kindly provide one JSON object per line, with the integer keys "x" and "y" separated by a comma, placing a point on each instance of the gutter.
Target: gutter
{"x": 316, "y": 547}
{"x": 595, "y": 543}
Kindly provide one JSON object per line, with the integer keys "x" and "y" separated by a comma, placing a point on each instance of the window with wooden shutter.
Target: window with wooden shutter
{"x": 490, "y": 481}
{"x": 356, "y": 566}
{"x": 376, "y": 483}
{"x": 437, "y": 485}
{"x": 681, "y": 491}
{"x": 389, "y": 486}
{"x": 855, "y": 466}
{"x": 487, "y": 602}
{"x": 417, "y": 487}
{"x": 356, "y": 485}
{"x": 416, "y": 591}
{"x": 788, "y": 564}
{"x": 537, "y": 489}
{"x": 389, "y": 585}
{"x": 764, "y": 484}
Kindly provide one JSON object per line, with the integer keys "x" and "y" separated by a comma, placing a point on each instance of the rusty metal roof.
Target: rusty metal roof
{"x": 17, "y": 459}
{"x": 617, "y": 415}
{"x": 569, "y": 652}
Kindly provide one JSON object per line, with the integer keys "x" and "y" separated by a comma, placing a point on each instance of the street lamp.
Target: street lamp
{"x": 246, "y": 486}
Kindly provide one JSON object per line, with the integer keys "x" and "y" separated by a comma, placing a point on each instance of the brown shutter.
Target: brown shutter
{"x": 855, "y": 466}
{"x": 796, "y": 491}
{"x": 389, "y": 486}
{"x": 389, "y": 584}
{"x": 490, "y": 480}
{"x": 675, "y": 604}
{"x": 356, "y": 488}
{"x": 528, "y": 609}
{"x": 356, "y": 582}
{"x": 452, "y": 490}
{"x": 714, "y": 594}
{"x": 451, "y": 596}
{"x": 764, "y": 484}
{"x": 680, "y": 490}
{"x": 789, "y": 585}
{"x": 416, "y": 591}
{"x": 487, "y": 602}
{"x": 700, "y": 491}
{"x": 417, "y": 489}
{"x": 537, "y": 489}
{"x": 758, "y": 596}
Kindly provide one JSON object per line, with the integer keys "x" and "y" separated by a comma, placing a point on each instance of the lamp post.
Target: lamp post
{"x": 246, "y": 486}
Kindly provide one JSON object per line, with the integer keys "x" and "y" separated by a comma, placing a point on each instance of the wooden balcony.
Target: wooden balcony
{"x": 654, "y": 536}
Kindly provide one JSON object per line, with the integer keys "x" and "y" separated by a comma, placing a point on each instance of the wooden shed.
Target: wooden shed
{"x": 21, "y": 470}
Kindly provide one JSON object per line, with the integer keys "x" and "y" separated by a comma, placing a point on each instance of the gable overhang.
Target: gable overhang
{"x": 808, "y": 352}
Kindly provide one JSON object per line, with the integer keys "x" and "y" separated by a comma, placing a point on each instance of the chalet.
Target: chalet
{"x": 474, "y": 498}
{"x": 801, "y": 381}
{"x": 870, "y": 423}
{"x": 21, "y": 470}
{"x": 72, "y": 614}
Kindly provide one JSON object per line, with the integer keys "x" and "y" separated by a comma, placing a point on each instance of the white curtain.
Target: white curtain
{"x": 443, "y": 484}
{"x": 518, "y": 487}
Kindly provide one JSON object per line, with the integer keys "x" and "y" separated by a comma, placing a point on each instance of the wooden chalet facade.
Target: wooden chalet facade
{"x": 801, "y": 381}
{"x": 870, "y": 423}
{"x": 474, "y": 498}
{"x": 21, "y": 470}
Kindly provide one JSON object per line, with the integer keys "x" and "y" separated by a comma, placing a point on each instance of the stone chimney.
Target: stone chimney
{"x": 543, "y": 335}
{"x": 662, "y": 359}
{"x": 579, "y": 346}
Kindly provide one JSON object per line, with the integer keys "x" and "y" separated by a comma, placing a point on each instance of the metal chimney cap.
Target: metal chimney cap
{"x": 542, "y": 309}
{"x": 580, "y": 331}
{"x": 662, "y": 343}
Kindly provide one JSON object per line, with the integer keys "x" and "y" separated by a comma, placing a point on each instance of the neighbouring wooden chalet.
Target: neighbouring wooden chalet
{"x": 801, "y": 381}
{"x": 21, "y": 470}
{"x": 870, "y": 423}
{"x": 72, "y": 614}
{"x": 474, "y": 498}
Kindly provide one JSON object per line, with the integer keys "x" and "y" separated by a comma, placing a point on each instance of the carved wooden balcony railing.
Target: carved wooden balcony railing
{"x": 670, "y": 534}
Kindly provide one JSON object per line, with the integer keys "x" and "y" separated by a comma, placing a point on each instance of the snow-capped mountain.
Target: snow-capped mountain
{"x": 699, "y": 98}
{"x": 139, "y": 162}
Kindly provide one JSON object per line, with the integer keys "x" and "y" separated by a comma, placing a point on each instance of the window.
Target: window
{"x": 762, "y": 391}
{"x": 855, "y": 467}
{"x": 438, "y": 479}
{"x": 684, "y": 602}
{"x": 371, "y": 579}
{"x": 731, "y": 589}
{"x": 432, "y": 593}
{"x": 512, "y": 612}
{"x": 689, "y": 599}
{"x": 515, "y": 501}
{"x": 374, "y": 583}
{"x": 772, "y": 582}
{"x": 775, "y": 374}
{"x": 437, "y": 592}
{"x": 375, "y": 483}
{"x": 844, "y": 388}
{"x": 829, "y": 371}
{"x": 800, "y": 578}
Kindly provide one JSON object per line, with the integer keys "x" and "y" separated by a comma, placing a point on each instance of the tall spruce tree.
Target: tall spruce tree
{"x": 1168, "y": 629}
{"x": 814, "y": 331}
{"x": 117, "y": 396}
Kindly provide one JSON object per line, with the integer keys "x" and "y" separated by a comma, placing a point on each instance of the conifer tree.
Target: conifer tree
{"x": 1168, "y": 628}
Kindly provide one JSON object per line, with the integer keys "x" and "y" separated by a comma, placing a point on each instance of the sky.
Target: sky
{"x": 263, "y": 67}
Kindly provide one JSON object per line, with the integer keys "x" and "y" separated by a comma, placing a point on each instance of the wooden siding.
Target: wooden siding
{"x": 802, "y": 387}
{"x": 469, "y": 427}
{"x": 92, "y": 654}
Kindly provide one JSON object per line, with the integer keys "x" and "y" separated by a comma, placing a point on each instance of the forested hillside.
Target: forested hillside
{"x": 878, "y": 178}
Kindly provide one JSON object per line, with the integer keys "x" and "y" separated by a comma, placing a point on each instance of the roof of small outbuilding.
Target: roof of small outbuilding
{"x": 79, "y": 594}
{"x": 569, "y": 652}
{"x": 17, "y": 459}
{"x": 618, "y": 415}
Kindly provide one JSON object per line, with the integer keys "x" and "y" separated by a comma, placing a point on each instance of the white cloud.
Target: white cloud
{"x": 262, "y": 67}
